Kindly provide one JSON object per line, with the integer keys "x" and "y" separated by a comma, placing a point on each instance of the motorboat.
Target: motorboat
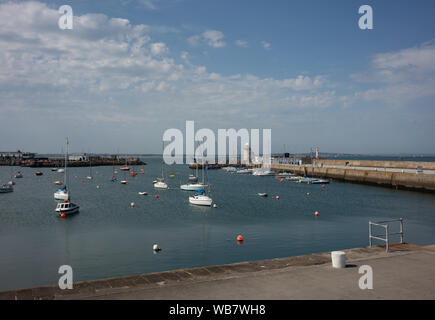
{"x": 38, "y": 173}
{"x": 60, "y": 170}
{"x": 18, "y": 175}
{"x": 66, "y": 208}
{"x": 294, "y": 178}
{"x": 229, "y": 169}
{"x": 124, "y": 182}
{"x": 143, "y": 193}
{"x": 200, "y": 199}
{"x": 262, "y": 194}
{"x": 319, "y": 181}
{"x": 285, "y": 174}
{"x": 59, "y": 183}
{"x": 6, "y": 188}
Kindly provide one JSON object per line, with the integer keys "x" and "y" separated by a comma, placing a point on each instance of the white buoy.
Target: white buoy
{"x": 215, "y": 205}
{"x": 338, "y": 259}
{"x": 98, "y": 187}
{"x": 156, "y": 247}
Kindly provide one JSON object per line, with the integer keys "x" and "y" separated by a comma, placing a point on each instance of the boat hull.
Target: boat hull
{"x": 160, "y": 185}
{"x": 193, "y": 187}
{"x": 201, "y": 201}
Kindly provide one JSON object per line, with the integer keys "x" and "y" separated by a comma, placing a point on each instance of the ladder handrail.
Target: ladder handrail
{"x": 385, "y": 224}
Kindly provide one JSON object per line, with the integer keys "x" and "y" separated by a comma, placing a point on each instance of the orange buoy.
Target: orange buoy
{"x": 316, "y": 213}
{"x": 239, "y": 237}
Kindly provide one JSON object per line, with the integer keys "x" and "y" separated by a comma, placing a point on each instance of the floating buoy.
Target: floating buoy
{"x": 316, "y": 213}
{"x": 277, "y": 197}
{"x": 132, "y": 204}
{"x": 308, "y": 193}
{"x": 98, "y": 187}
{"x": 215, "y": 205}
{"x": 62, "y": 215}
{"x": 83, "y": 180}
{"x": 239, "y": 237}
{"x": 113, "y": 177}
{"x": 156, "y": 247}
{"x": 323, "y": 186}
{"x": 308, "y": 182}
{"x": 156, "y": 195}
{"x": 281, "y": 180}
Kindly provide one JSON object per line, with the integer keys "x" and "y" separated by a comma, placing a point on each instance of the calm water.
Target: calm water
{"x": 108, "y": 238}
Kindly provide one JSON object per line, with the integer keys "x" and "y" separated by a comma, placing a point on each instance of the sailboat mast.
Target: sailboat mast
{"x": 66, "y": 164}
{"x": 202, "y": 156}
{"x": 163, "y": 149}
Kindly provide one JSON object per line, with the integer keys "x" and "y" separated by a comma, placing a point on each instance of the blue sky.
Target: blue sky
{"x": 131, "y": 69}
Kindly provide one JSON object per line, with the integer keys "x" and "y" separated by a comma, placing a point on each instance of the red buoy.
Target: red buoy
{"x": 308, "y": 193}
{"x": 63, "y": 215}
{"x": 277, "y": 197}
{"x": 323, "y": 186}
{"x": 157, "y": 195}
{"x": 316, "y": 213}
{"x": 239, "y": 237}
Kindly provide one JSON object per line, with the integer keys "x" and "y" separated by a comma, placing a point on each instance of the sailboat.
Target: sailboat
{"x": 65, "y": 207}
{"x": 62, "y": 193}
{"x": 201, "y": 199}
{"x": 125, "y": 167}
{"x": 89, "y": 177}
{"x": 160, "y": 183}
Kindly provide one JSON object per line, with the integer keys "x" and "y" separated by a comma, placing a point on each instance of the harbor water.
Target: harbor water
{"x": 109, "y": 238}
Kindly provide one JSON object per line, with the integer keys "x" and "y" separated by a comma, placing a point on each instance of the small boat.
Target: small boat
{"x": 60, "y": 170}
{"x": 319, "y": 181}
{"x": 171, "y": 175}
{"x": 125, "y": 168}
{"x": 59, "y": 183}
{"x": 244, "y": 171}
{"x": 262, "y": 172}
{"x": 67, "y": 208}
{"x": 38, "y": 173}
{"x": 61, "y": 194}
{"x": 133, "y": 174}
{"x": 160, "y": 183}
{"x": 6, "y": 188}
{"x": 124, "y": 182}
{"x": 54, "y": 169}
{"x": 294, "y": 178}
{"x": 262, "y": 194}
{"x": 193, "y": 186}
{"x": 18, "y": 175}
{"x": 201, "y": 199}
{"x": 143, "y": 193}
{"x": 285, "y": 174}
{"x": 229, "y": 169}
{"x": 192, "y": 178}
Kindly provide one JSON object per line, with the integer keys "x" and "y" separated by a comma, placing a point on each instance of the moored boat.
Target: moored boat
{"x": 6, "y": 188}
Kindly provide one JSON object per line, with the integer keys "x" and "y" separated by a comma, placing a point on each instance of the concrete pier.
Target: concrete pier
{"x": 406, "y": 272}
{"x": 393, "y": 174}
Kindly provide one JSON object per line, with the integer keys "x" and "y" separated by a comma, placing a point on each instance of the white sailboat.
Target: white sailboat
{"x": 65, "y": 207}
{"x": 201, "y": 198}
{"x": 62, "y": 193}
{"x": 160, "y": 183}
{"x": 193, "y": 185}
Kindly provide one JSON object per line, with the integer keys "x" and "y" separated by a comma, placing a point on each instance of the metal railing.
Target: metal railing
{"x": 385, "y": 225}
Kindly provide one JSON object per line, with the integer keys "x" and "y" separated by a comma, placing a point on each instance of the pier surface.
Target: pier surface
{"x": 406, "y": 272}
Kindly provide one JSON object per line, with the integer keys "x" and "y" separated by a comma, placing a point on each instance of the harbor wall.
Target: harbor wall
{"x": 397, "y": 180}
{"x": 377, "y": 164}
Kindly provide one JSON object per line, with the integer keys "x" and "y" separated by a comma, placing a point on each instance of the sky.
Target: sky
{"x": 131, "y": 69}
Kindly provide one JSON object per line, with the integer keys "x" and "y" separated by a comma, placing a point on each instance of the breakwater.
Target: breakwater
{"x": 54, "y": 163}
{"x": 370, "y": 174}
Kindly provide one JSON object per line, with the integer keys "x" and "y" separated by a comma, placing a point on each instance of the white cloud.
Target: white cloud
{"x": 266, "y": 45}
{"x": 159, "y": 49}
{"x": 212, "y": 38}
{"x": 241, "y": 43}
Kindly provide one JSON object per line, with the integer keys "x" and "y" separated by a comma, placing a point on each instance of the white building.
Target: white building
{"x": 78, "y": 157}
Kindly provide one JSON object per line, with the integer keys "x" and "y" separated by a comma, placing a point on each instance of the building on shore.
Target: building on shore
{"x": 78, "y": 157}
